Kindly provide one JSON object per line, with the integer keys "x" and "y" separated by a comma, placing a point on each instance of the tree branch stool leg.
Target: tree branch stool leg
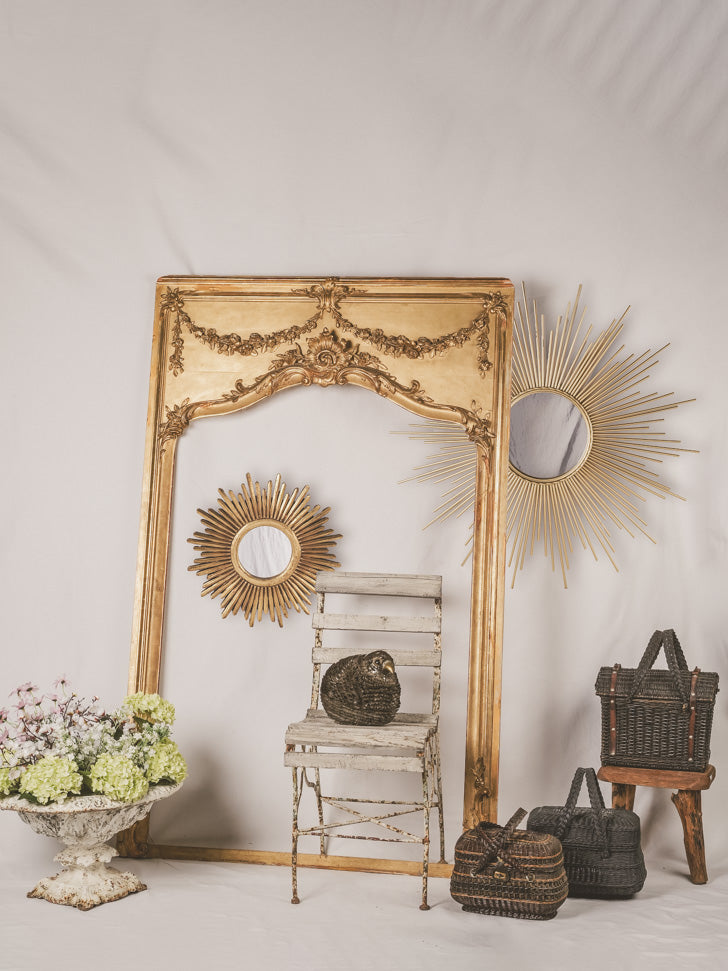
{"x": 622, "y": 795}
{"x": 688, "y": 805}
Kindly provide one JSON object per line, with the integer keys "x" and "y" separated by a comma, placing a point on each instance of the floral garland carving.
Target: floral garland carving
{"x": 328, "y": 360}
{"x": 329, "y": 295}
{"x": 228, "y": 344}
{"x": 255, "y": 344}
{"x": 172, "y": 303}
{"x": 331, "y": 292}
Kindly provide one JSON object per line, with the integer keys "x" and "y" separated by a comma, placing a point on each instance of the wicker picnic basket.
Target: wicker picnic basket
{"x": 509, "y": 872}
{"x": 602, "y": 850}
{"x": 657, "y": 719}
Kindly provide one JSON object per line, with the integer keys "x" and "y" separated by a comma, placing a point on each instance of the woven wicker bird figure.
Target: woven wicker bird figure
{"x": 362, "y": 689}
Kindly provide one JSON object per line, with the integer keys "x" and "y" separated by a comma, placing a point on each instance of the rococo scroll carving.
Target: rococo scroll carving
{"x": 178, "y": 418}
{"x": 327, "y": 360}
{"x": 482, "y": 792}
{"x": 328, "y": 296}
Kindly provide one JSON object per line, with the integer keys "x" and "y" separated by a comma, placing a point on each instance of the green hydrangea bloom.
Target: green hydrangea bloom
{"x": 118, "y": 778}
{"x": 166, "y": 762}
{"x": 50, "y": 779}
{"x": 7, "y": 785}
{"x": 150, "y": 707}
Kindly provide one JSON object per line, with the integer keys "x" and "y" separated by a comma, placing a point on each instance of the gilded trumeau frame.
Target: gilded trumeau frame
{"x": 440, "y": 348}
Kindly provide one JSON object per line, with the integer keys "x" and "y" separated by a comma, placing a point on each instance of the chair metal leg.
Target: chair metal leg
{"x": 297, "y": 790}
{"x": 319, "y": 804}
{"x": 426, "y": 835}
{"x": 441, "y": 818}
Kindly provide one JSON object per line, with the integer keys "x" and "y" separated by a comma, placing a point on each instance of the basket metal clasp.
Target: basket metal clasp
{"x": 500, "y": 874}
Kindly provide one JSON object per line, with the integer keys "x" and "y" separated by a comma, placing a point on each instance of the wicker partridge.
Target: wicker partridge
{"x": 362, "y": 689}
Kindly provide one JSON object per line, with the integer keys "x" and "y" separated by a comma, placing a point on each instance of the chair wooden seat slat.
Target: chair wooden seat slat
{"x": 420, "y": 659}
{"x": 372, "y": 761}
{"x": 409, "y": 743}
{"x": 406, "y": 731}
{"x": 380, "y": 584}
{"x": 369, "y": 622}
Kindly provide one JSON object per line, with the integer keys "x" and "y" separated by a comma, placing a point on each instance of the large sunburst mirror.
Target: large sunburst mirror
{"x": 262, "y": 548}
{"x": 584, "y": 452}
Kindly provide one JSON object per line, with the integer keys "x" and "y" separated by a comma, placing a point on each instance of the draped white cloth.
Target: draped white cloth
{"x": 549, "y": 141}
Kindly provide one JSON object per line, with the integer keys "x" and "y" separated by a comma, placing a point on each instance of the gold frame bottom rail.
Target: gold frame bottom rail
{"x": 362, "y": 864}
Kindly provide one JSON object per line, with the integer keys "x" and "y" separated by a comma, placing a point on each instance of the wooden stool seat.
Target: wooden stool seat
{"x": 687, "y": 801}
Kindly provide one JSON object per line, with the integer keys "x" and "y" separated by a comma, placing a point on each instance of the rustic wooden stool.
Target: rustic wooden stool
{"x": 689, "y": 785}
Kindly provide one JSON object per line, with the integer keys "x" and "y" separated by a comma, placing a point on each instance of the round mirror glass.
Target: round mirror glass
{"x": 548, "y": 435}
{"x": 265, "y": 551}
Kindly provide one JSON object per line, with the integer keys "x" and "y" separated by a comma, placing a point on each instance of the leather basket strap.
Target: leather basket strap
{"x": 691, "y": 723}
{"x": 613, "y": 710}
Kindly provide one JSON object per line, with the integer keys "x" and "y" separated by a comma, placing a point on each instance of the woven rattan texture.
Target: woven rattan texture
{"x": 522, "y": 876}
{"x": 649, "y": 717}
{"x": 602, "y": 848}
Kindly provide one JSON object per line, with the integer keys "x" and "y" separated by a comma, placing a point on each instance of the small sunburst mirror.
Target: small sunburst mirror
{"x": 583, "y": 449}
{"x": 261, "y": 550}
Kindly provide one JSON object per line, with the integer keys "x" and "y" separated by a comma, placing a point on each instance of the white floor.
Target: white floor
{"x": 218, "y": 916}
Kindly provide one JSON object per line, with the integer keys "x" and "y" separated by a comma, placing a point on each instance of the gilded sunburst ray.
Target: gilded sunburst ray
{"x": 237, "y": 516}
{"x": 617, "y": 467}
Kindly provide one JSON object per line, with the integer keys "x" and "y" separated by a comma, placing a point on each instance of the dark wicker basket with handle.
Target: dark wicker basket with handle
{"x": 507, "y": 872}
{"x": 602, "y": 850}
{"x": 657, "y": 719}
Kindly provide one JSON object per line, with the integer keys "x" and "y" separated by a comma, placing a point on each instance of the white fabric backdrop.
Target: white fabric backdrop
{"x": 553, "y": 142}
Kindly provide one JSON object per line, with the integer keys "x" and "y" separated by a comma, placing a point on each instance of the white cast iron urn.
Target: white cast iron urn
{"x": 85, "y": 824}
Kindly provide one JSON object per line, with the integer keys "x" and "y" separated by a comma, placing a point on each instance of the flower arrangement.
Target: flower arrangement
{"x": 53, "y": 746}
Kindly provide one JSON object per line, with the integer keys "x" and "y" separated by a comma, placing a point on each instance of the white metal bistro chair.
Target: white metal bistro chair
{"x": 410, "y": 743}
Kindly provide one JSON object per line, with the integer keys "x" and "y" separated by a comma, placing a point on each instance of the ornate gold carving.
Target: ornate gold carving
{"x": 328, "y": 360}
{"x": 331, "y": 292}
{"x": 329, "y": 295}
{"x": 178, "y": 418}
{"x": 255, "y": 344}
{"x": 477, "y": 426}
{"x": 172, "y": 303}
{"x": 482, "y": 792}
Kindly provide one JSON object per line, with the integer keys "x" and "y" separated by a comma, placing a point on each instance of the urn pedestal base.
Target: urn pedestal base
{"x": 86, "y": 880}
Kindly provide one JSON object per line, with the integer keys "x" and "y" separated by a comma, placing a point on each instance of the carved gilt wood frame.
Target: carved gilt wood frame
{"x": 438, "y": 347}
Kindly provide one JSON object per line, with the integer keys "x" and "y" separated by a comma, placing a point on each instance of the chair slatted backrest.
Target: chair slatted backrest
{"x": 421, "y": 588}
